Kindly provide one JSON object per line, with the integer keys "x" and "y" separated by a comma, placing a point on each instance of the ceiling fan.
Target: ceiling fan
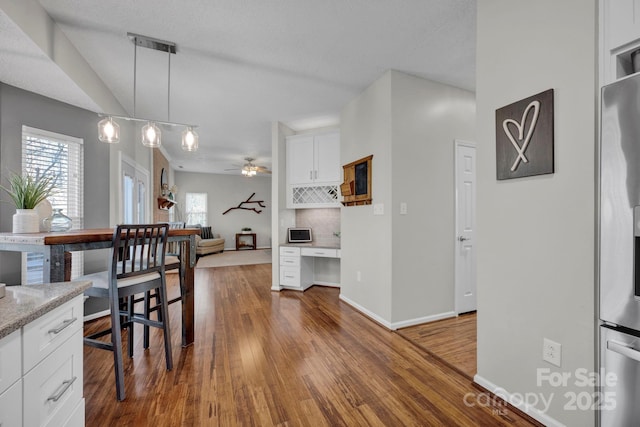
{"x": 250, "y": 169}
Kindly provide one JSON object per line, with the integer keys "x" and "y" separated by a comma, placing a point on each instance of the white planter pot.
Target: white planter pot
{"x": 26, "y": 221}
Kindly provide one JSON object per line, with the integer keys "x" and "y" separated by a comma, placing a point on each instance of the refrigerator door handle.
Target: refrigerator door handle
{"x": 623, "y": 349}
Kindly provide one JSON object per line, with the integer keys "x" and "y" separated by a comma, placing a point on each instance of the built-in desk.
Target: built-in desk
{"x": 304, "y": 265}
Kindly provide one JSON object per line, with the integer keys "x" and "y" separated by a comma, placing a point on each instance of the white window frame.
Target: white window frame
{"x": 200, "y": 216}
{"x": 32, "y": 273}
{"x": 140, "y": 175}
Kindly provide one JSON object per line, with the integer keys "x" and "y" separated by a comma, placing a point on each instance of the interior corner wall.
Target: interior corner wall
{"x": 281, "y": 217}
{"x": 536, "y": 235}
{"x": 19, "y": 107}
{"x": 427, "y": 117}
{"x": 224, "y": 192}
{"x": 365, "y": 129}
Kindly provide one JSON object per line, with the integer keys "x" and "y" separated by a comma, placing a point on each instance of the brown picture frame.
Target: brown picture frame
{"x": 356, "y": 188}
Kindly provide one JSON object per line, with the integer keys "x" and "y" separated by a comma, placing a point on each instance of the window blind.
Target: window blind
{"x": 48, "y": 154}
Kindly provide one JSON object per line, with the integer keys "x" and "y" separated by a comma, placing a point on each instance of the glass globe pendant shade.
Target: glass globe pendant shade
{"x": 189, "y": 139}
{"x": 108, "y": 131}
{"x": 151, "y": 135}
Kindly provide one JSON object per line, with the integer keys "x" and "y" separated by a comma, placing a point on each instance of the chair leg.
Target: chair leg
{"x": 147, "y": 315}
{"x": 164, "y": 308}
{"x": 130, "y": 325}
{"x": 116, "y": 341}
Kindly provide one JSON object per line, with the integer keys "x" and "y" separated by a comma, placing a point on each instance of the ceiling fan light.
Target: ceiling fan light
{"x": 189, "y": 139}
{"x": 108, "y": 131}
{"x": 151, "y": 135}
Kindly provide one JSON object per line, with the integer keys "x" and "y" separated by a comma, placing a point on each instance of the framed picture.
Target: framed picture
{"x": 524, "y": 137}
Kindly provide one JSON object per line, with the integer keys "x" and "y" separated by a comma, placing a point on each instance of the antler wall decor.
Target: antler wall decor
{"x": 248, "y": 201}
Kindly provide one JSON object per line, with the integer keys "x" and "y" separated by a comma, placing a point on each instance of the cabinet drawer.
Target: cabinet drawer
{"x": 77, "y": 416}
{"x": 319, "y": 252}
{"x": 53, "y": 388}
{"x": 289, "y": 251}
{"x": 290, "y": 276}
{"x": 10, "y": 366}
{"x": 293, "y": 261}
{"x": 11, "y": 405}
{"x": 42, "y": 336}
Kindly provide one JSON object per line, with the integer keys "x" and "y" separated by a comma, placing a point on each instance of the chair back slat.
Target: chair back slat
{"x": 138, "y": 249}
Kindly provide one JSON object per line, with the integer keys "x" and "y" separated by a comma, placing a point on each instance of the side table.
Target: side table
{"x": 245, "y": 241}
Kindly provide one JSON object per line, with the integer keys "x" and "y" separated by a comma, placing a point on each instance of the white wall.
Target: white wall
{"x": 224, "y": 192}
{"x": 365, "y": 128}
{"x": 409, "y": 124}
{"x": 536, "y": 235}
{"x": 426, "y": 119}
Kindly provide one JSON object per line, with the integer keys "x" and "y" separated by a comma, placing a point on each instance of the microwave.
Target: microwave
{"x": 299, "y": 235}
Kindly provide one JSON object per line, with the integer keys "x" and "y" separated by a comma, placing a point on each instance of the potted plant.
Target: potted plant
{"x": 246, "y": 230}
{"x": 26, "y": 192}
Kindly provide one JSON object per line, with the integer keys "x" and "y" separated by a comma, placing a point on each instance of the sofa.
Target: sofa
{"x": 207, "y": 242}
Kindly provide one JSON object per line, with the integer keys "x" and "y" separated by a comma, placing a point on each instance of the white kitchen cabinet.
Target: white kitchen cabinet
{"x": 41, "y": 383}
{"x": 313, "y": 170}
{"x": 300, "y": 267}
{"x": 313, "y": 159}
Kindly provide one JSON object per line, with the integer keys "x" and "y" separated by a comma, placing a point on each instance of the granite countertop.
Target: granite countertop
{"x": 323, "y": 245}
{"x": 23, "y": 304}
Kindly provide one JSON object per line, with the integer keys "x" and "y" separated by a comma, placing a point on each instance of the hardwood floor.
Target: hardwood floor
{"x": 454, "y": 341}
{"x": 288, "y": 358}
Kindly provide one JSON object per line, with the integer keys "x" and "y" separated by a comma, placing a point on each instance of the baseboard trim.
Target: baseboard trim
{"x": 371, "y": 315}
{"x": 330, "y": 284}
{"x": 97, "y": 315}
{"x": 529, "y": 410}
{"x": 425, "y": 319}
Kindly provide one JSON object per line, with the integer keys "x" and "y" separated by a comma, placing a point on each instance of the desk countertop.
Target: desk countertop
{"x": 23, "y": 304}
{"x": 312, "y": 245}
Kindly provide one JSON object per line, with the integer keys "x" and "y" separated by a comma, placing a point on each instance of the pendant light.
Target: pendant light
{"x": 108, "y": 131}
{"x": 189, "y": 139}
{"x": 151, "y": 135}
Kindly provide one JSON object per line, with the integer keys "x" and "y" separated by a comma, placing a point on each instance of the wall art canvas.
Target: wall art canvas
{"x": 524, "y": 137}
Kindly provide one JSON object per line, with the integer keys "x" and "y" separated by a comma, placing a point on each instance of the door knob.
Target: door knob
{"x": 462, "y": 238}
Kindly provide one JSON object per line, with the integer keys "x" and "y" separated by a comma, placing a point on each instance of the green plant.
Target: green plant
{"x": 27, "y": 191}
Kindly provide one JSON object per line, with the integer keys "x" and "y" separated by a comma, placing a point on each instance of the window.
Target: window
{"x": 134, "y": 183}
{"x": 196, "y": 208}
{"x": 60, "y": 157}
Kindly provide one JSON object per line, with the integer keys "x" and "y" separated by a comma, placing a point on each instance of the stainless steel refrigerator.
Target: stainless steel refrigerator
{"x": 619, "y": 243}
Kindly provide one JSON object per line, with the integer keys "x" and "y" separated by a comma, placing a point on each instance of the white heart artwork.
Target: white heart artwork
{"x": 520, "y": 149}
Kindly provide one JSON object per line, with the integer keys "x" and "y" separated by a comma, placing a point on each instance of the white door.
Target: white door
{"x": 465, "y": 250}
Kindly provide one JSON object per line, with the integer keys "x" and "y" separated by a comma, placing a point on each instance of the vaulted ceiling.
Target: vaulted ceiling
{"x": 242, "y": 65}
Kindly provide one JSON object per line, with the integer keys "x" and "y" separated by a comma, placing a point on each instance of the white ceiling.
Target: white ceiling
{"x": 243, "y": 64}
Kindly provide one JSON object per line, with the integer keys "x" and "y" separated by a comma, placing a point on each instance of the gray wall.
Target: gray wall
{"x": 225, "y": 191}
{"x": 18, "y": 108}
{"x": 536, "y": 235}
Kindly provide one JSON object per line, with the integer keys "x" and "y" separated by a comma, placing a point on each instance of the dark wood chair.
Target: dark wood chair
{"x": 137, "y": 266}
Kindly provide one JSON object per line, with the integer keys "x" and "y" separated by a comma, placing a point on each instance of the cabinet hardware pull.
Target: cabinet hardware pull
{"x": 64, "y": 387}
{"x": 65, "y": 323}
{"x": 310, "y": 174}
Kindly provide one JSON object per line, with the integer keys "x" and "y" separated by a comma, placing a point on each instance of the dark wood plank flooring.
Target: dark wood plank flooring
{"x": 288, "y": 358}
{"x": 454, "y": 341}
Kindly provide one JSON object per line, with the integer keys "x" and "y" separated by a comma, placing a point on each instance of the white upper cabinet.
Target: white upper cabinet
{"x": 314, "y": 173}
{"x": 313, "y": 158}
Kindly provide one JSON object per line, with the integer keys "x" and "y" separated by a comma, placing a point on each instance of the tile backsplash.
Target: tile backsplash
{"x": 323, "y": 222}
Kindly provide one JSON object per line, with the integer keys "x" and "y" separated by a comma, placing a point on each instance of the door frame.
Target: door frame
{"x": 469, "y": 144}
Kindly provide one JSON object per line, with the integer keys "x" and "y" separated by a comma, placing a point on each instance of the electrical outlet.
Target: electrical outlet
{"x": 551, "y": 352}
{"x": 403, "y": 208}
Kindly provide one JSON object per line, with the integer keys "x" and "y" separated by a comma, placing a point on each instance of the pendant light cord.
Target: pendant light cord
{"x": 169, "y": 88}
{"x": 135, "y": 62}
